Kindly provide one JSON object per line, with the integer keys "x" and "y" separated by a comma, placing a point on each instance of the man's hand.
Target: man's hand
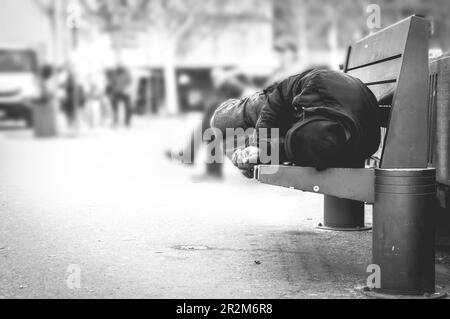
{"x": 247, "y": 158}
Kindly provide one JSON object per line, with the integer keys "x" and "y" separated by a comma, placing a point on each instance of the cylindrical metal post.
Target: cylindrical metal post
{"x": 343, "y": 214}
{"x": 403, "y": 230}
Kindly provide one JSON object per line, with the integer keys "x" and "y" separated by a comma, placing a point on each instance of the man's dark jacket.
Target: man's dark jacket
{"x": 331, "y": 94}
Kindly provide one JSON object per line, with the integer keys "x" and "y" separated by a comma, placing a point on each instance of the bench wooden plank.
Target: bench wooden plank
{"x": 378, "y": 73}
{"x": 382, "y": 45}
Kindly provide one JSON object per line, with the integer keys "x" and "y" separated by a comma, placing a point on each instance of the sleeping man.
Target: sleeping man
{"x": 323, "y": 118}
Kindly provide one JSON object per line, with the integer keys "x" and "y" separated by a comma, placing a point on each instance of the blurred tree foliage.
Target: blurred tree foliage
{"x": 310, "y": 22}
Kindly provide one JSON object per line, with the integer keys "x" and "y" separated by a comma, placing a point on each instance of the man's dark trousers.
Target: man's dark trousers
{"x": 117, "y": 98}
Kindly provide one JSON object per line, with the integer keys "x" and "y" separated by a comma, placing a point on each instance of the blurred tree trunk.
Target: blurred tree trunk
{"x": 170, "y": 77}
{"x": 302, "y": 28}
{"x": 55, "y": 26}
{"x": 53, "y": 9}
{"x": 333, "y": 39}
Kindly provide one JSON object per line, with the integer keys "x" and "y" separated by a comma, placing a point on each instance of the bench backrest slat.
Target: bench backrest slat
{"x": 380, "y": 73}
{"x": 386, "y": 44}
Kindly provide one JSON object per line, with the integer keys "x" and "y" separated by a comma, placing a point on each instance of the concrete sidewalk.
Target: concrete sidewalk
{"x": 138, "y": 227}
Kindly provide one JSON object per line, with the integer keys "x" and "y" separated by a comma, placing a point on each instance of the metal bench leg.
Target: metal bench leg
{"x": 403, "y": 232}
{"x": 343, "y": 215}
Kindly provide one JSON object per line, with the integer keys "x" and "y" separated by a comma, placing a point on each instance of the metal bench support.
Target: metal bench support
{"x": 343, "y": 215}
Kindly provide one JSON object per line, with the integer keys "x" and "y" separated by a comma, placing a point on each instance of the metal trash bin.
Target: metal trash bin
{"x": 404, "y": 230}
{"x": 45, "y": 119}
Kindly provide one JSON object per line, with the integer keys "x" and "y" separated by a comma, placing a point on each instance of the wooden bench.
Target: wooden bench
{"x": 393, "y": 63}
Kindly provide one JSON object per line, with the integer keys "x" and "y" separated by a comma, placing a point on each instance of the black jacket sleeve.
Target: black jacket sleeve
{"x": 277, "y": 113}
{"x": 272, "y": 113}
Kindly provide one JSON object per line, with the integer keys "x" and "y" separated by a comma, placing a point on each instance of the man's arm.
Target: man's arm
{"x": 274, "y": 115}
{"x": 279, "y": 101}
{"x": 273, "y": 109}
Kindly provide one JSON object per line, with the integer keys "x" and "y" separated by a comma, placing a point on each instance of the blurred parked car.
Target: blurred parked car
{"x": 20, "y": 83}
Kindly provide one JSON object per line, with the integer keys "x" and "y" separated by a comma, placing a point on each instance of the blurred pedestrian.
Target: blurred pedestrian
{"x": 49, "y": 82}
{"x": 97, "y": 103}
{"x": 227, "y": 86}
{"x": 74, "y": 96}
{"x": 46, "y": 112}
{"x": 120, "y": 82}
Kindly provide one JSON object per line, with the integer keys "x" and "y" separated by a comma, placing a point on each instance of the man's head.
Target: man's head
{"x": 317, "y": 142}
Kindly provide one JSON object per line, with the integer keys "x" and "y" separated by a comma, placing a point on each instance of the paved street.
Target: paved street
{"x": 136, "y": 225}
